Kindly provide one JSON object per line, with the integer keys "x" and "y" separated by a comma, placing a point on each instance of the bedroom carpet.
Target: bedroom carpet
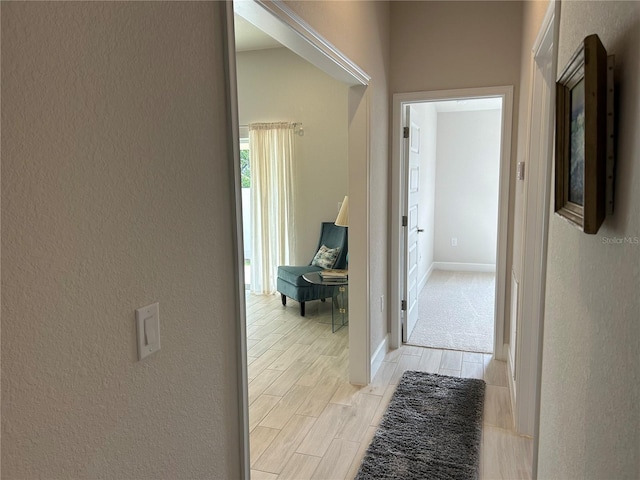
{"x": 455, "y": 312}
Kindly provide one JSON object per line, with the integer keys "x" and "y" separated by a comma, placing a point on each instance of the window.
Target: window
{"x": 245, "y": 183}
{"x": 245, "y": 165}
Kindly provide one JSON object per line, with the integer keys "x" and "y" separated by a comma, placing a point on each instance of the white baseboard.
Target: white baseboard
{"x": 465, "y": 267}
{"x": 423, "y": 281}
{"x": 378, "y": 356}
{"x": 501, "y": 353}
{"x": 512, "y": 385}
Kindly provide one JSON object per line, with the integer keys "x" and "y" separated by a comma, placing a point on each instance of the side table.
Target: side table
{"x": 340, "y": 300}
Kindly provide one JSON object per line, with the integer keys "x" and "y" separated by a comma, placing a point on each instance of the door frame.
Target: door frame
{"x": 523, "y": 379}
{"x": 284, "y": 25}
{"x": 537, "y": 225}
{"x": 398, "y": 192}
{"x": 409, "y": 120}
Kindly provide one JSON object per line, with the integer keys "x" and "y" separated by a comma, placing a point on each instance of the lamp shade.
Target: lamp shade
{"x": 343, "y": 214}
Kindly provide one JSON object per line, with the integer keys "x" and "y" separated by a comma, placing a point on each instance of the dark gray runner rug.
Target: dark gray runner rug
{"x": 431, "y": 430}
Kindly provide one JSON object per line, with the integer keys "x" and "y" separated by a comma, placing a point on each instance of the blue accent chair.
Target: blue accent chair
{"x": 290, "y": 282}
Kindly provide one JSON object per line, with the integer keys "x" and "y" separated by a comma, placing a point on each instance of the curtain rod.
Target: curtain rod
{"x": 297, "y": 126}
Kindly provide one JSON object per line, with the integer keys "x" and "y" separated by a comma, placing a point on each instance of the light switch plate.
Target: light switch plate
{"x": 148, "y": 326}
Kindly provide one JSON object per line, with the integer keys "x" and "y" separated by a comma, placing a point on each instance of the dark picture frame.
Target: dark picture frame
{"x": 581, "y": 143}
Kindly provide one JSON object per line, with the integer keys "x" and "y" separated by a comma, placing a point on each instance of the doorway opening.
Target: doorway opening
{"x": 453, "y": 152}
{"x": 277, "y": 21}
{"x": 451, "y": 227}
{"x": 280, "y": 23}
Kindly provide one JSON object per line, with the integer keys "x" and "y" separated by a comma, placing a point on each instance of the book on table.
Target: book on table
{"x": 334, "y": 274}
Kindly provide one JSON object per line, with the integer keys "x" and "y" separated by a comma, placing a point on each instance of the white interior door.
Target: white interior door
{"x": 412, "y": 179}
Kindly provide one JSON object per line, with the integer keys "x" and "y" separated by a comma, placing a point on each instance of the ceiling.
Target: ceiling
{"x": 249, "y": 37}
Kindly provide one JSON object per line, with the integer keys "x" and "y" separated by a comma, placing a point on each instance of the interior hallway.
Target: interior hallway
{"x": 308, "y": 421}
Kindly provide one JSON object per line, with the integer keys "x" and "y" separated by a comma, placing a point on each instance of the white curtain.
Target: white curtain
{"x": 271, "y": 157}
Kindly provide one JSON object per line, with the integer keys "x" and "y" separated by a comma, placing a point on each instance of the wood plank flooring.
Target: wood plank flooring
{"x": 308, "y": 422}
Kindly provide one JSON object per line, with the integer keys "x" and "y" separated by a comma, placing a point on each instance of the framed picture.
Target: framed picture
{"x": 581, "y": 110}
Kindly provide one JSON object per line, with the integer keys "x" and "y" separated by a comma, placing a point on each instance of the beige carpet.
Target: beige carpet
{"x": 455, "y": 311}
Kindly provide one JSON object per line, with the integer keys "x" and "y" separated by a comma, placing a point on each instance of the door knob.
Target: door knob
{"x": 420, "y": 230}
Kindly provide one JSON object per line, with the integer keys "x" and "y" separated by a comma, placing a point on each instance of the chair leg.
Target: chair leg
{"x": 302, "y": 309}
{"x": 284, "y": 299}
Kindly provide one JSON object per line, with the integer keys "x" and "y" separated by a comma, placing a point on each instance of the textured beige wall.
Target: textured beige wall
{"x": 451, "y": 45}
{"x": 360, "y": 29}
{"x": 590, "y": 403}
{"x": 116, "y": 194}
{"x": 442, "y": 45}
{"x": 278, "y": 85}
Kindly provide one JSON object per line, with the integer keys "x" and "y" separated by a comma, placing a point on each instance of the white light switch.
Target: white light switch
{"x": 148, "y": 325}
{"x": 150, "y": 332}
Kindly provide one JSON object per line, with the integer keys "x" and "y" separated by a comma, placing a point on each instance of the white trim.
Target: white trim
{"x": 378, "y": 356}
{"x": 545, "y": 26}
{"x": 503, "y": 224}
{"x": 276, "y": 19}
{"x": 539, "y": 148}
{"x": 512, "y": 385}
{"x": 238, "y": 254}
{"x": 550, "y": 26}
{"x": 359, "y": 234}
{"x": 513, "y": 332}
{"x": 396, "y": 206}
{"x": 401, "y": 99}
{"x": 465, "y": 267}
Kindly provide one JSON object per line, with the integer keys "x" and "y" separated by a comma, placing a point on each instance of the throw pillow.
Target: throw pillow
{"x": 326, "y": 257}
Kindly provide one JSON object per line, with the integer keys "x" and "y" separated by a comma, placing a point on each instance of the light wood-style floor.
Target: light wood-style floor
{"x": 308, "y": 422}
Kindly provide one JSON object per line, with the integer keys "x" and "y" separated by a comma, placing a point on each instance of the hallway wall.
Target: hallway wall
{"x": 590, "y": 399}
{"x": 117, "y": 193}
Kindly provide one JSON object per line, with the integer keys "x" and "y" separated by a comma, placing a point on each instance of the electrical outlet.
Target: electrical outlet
{"x": 454, "y": 241}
